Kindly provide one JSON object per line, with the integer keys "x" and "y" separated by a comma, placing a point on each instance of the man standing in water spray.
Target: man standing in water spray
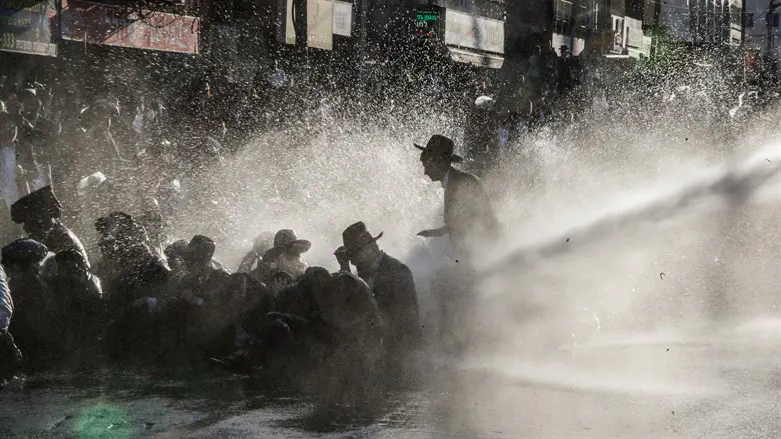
{"x": 469, "y": 221}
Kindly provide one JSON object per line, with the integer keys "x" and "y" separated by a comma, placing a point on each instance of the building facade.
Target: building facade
{"x": 762, "y": 31}
{"x": 699, "y": 21}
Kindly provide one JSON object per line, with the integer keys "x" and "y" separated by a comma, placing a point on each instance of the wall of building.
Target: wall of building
{"x": 756, "y": 28}
{"x": 699, "y": 21}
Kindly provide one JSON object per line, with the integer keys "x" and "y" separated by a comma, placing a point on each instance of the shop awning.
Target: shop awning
{"x": 477, "y": 58}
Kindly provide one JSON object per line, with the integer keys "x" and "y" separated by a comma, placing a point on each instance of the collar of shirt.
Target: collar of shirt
{"x": 445, "y": 180}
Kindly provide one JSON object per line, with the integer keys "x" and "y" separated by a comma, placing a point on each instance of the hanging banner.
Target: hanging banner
{"x": 320, "y": 24}
{"x": 343, "y": 18}
{"x": 115, "y": 26}
{"x": 28, "y": 27}
{"x": 474, "y": 32}
{"x": 286, "y": 32}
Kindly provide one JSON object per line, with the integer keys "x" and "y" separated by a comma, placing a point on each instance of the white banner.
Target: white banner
{"x": 474, "y": 32}
{"x": 286, "y": 32}
{"x": 320, "y": 24}
{"x": 343, "y": 18}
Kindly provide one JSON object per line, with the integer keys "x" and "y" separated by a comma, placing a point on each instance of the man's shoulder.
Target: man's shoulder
{"x": 464, "y": 177}
{"x": 389, "y": 263}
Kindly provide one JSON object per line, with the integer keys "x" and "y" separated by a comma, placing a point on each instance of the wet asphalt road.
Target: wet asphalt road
{"x": 722, "y": 384}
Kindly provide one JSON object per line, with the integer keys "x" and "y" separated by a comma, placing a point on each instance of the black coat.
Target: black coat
{"x": 397, "y": 299}
{"x": 469, "y": 216}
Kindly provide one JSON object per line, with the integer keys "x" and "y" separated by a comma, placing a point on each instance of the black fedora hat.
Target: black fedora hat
{"x": 439, "y": 146}
{"x": 356, "y": 237}
{"x": 200, "y": 248}
{"x": 38, "y": 203}
{"x": 286, "y": 239}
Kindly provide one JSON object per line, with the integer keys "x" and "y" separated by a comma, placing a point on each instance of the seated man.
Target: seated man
{"x": 203, "y": 279}
{"x": 285, "y": 256}
{"x": 39, "y": 213}
{"x": 34, "y": 324}
{"x": 79, "y": 301}
{"x": 261, "y": 245}
{"x": 10, "y": 355}
{"x": 350, "y": 315}
{"x": 391, "y": 284}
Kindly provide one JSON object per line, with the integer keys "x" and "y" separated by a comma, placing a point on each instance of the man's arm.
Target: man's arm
{"x": 433, "y": 233}
{"x": 6, "y": 303}
{"x": 247, "y": 262}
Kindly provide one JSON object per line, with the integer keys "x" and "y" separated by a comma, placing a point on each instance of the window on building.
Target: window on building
{"x": 563, "y": 17}
{"x": 750, "y": 20}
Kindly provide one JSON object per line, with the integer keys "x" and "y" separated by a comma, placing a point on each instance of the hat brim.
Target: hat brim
{"x": 454, "y": 158}
{"x": 298, "y": 246}
{"x": 348, "y": 250}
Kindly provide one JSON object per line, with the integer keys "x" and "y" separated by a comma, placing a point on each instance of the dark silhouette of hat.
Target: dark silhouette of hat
{"x": 286, "y": 240}
{"x": 356, "y": 237}
{"x": 200, "y": 248}
{"x": 439, "y": 146}
{"x": 24, "y": 251}
{"x": 38, "y": 203}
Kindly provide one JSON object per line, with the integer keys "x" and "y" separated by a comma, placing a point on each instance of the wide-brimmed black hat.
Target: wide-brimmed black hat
{"x": 200, "y": 248}
{"x": 41, "y": 202}
{"x": 24, "y": 251}
{"x": 286, "y": 240}
{"x": 356, "y": 237}
{"x": 439, "y": 146}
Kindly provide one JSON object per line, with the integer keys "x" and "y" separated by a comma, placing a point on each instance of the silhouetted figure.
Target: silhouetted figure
{"x": 10, "y": 355}
{"x": 391, "y": 285}
{"x": 80, "y": 309}
{"x": 469, "y": 216}
{"x": 285, "y": 256}
{"x": 469, "y": 222}
{"x": 34, "y": 325}
{"x": 253, "y": 258}
{"x": 39, "y": 212}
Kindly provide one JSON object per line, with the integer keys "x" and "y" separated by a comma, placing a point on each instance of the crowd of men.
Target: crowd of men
{"x": 138, "y": 302}
{"x": 141, "y": 296}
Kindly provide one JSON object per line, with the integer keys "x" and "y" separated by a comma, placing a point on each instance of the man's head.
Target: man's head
{"x": 287, "y": 247}
{"x": 437, "y": 156}
{"x": 320, "y": 284}
{"x": 23, "y": 255}
{"x": 38, "y": 227}
{"x": 200, "y": 251}
{"x": 37, "y": 212}
{"x": 360, "y": 246}
{"x": 175, "y": 252}
{"x": 71, "y": 263}
{"x": 263, "y": 242}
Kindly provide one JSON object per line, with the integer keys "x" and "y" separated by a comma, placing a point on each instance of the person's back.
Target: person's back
{"x": 469, "y": 216}
{"x": 394, "y": 290}
{"x": 34, "y": 323}
{"x": 10, "y": 355}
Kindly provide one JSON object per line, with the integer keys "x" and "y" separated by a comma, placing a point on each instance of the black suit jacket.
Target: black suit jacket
{"x": 397, "y": 299}
{"x": 468, "y": 211}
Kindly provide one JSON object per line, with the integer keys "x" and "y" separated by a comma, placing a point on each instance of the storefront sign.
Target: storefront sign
{"x": 343, "y": 18}
{"x": 114, "y": 26}
{"x": 28, "y": 27}
{"x": 464, "y": 30}
{"x": 427, "y": 22}
{"x": 320, "y": 24}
